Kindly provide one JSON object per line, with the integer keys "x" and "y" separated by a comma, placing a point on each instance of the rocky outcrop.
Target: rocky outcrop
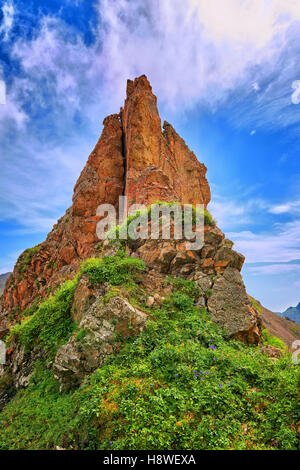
{"x": 134, "y": 157}
{"x": 101, "y": 182}
{"x": 159, "y": 165}
{"x": 231, "y": 307}
{"x": 101, "y": 331}
{"x": 137, "y": 158}
{"x": 216, "y": 270}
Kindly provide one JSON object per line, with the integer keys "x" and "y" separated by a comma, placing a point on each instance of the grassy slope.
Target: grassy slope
{"x": 179, "y": 385}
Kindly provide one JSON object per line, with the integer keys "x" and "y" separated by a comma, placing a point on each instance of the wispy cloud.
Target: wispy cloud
{"x": 35, "y": 194}
{"x": 216, "y": 57}
{"x": 243, "y": 210}
{"x": 281, "y": 244}
{"x": 292, "y": 207}
{"x": 274, "y": 269}
{"x": 8, "y": 12}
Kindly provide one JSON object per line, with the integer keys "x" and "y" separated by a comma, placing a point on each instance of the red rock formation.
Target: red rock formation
{"x": 133, "y": 157}
{"x": 159, "y": 165}
{"x": 101, "y": 181}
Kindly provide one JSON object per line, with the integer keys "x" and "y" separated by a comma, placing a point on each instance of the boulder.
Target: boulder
{"x": 230, "y": 307}
{"x": 271, "y": 351}
{"x": 225, "y": 256}
{"x": 83, "y": 299}
{"x": 100, "y": 333}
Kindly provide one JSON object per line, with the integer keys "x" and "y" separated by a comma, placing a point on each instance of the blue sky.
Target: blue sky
{"x": 225, "y": 74}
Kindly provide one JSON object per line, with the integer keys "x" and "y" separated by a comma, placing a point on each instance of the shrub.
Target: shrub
{"x": 116, "y": 270}
{"x": 26, "y": 257}
{"x": 51, "y": 324}
{"x": 38, "y": 416}
{"x": 114, "y": 232}
{"x": 185, "y": 286}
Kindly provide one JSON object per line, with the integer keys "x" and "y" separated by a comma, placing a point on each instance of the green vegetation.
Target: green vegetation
{"x": 184, "y": 286}
{"x": 116, "y": 233}
{"x": 26, "y": 257}
{"x": 272, "y": 340}
{"x": 256, "y": 305}
{"x": 37, "y": 417}
{"x": 80, "y": 335}
{"x": 178, "y": 385}
{"x": 50, "y": 324}
{"x": 116, "y": 270}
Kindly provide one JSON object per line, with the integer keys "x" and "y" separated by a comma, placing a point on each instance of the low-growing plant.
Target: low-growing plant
{"x": 256, "y": 305}
{"x": 184, "y": 286}
{"x": 272, "y": 340}
{"x": 80, "y": 335}
{"x": 116, "y": 270}
{"x": 26, "y": 257}
{"x": 114, "y": 232}
{"x": 51, "y": 324}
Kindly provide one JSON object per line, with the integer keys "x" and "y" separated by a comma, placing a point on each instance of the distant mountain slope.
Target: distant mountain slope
{"x": 283, "y": 328}
{"x": 3, "y": 278}
{"x": 293, "y": 313}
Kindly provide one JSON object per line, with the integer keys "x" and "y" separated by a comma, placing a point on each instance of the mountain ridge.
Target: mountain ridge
{"x": 293, "y": 313}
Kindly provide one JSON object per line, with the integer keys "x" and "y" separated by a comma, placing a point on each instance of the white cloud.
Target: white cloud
{"x": 218, "y": 43}
{"x": 246, "y": 21}
{"x": 280, "y": 245}
{"x": 296, "y": 95}
{"x": 238, "y": 211}
{"x": 292, "y": 207}
{"x": 218, "y": 53}
{"x": 36, "y": 192}
{"x": 2, "y": 92}
{"x": 8, "y": 12}
{"x": 11, "y": 113}
{"x": 253, "y": 132}
{"x": 274, "y": 269}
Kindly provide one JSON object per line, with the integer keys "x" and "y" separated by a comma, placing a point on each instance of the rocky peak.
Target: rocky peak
{"x": 159, "y": 165}
{"x": 136, "y": 157}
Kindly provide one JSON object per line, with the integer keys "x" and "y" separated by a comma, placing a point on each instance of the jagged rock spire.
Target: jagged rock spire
{"x": 134, "y": 157}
